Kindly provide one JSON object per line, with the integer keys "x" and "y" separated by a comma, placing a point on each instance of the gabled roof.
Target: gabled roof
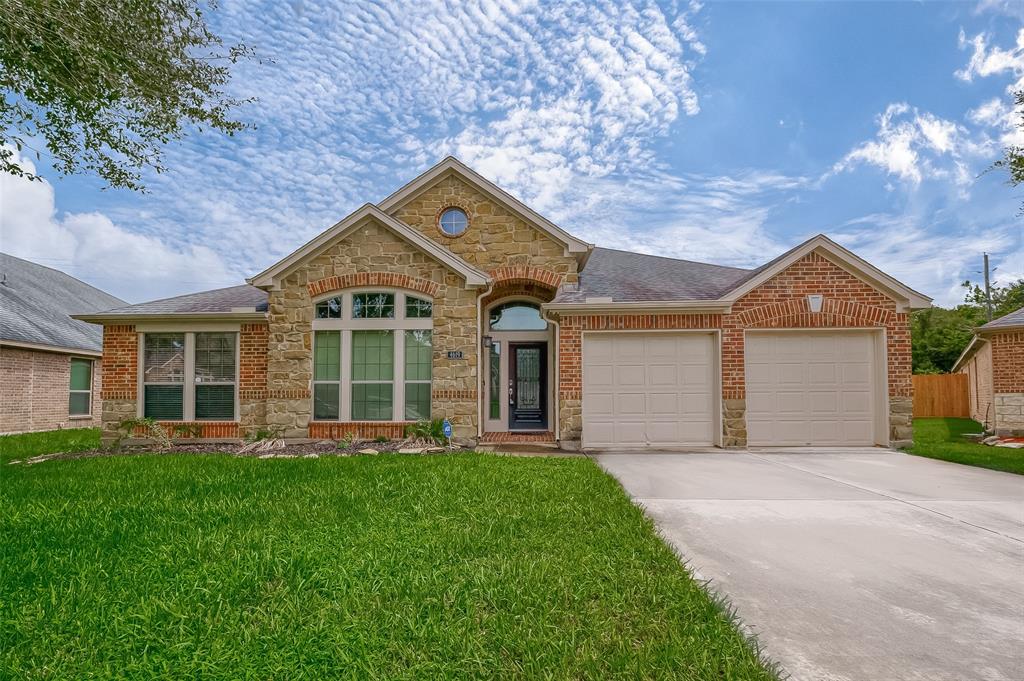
{"x": 36, "y": 303}
{"x": 221, "y": 303}
{"x": 451, "y": 165}
{"x": 272, "y": 276}
{"x": 622, "y": 276}
{"x": 847, "y": 260}
{"x": 1013, "y": 320}
{"x": 1008, "y": 322}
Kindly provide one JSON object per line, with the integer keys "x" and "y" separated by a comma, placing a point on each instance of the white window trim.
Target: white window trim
{"x": 346, "y": 325}
{"x": 188, "y": 397}
{"x": 92, "y": 367}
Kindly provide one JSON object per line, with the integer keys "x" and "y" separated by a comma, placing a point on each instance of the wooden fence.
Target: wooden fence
{"x": 941, "y": 395}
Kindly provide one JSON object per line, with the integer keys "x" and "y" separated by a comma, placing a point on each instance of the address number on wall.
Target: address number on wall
{"x": 455, "y": 354}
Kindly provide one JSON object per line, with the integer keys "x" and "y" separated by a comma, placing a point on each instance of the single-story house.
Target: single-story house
{"x": 452, "y": 299}
{"x": 994, "y": 364}
{"x": 49, "y": 362}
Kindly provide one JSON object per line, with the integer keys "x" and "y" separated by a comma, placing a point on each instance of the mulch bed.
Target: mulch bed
{"x": 296, "y": 450}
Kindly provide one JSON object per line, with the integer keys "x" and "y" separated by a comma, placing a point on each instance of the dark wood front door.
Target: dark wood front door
{"x": 528, "y": 386}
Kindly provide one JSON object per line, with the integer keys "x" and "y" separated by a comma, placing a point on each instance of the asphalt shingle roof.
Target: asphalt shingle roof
{"x": 217, "y": 300}
{"x": 634, "y": 277}
{"x": 36, "y": 301}
{"x": 1006, "y": 321}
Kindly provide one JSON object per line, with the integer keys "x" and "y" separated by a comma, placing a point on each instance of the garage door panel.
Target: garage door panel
{"x": 662, "y": 387}
{"x": 806, "y": 388}
{"x": 629, "y": 404}
{"x": 662, "y": 375}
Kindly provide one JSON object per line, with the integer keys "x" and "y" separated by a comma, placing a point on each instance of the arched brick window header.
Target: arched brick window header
{"x": 796, "y": 313}
{"x": 505, "y": 275}
{"x": 388, "y": 279}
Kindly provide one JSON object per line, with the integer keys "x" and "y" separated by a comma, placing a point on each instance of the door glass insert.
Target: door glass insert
{"x": 528, "y": 378}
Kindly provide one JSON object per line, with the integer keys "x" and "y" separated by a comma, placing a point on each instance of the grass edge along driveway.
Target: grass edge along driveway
{"x": 462, "y": 566}
{"x": 942, "y": 438}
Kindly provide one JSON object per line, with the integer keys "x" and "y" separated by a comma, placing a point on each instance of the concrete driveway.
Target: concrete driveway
{"x": 851, "y": 564}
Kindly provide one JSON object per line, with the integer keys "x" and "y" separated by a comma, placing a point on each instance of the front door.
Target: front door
{"x": 527, "y": 386}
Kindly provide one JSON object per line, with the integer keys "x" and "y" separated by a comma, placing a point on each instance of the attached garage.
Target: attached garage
{"x": 656, "y": 390}
{"x": 824, "y": 388}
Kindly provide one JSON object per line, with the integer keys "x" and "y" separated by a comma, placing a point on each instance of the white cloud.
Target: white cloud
{"x": 91, "y": 247}
{"x": 989, "y": 60}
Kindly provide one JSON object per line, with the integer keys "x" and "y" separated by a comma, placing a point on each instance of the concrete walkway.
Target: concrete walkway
{"x": 851, "y": 565}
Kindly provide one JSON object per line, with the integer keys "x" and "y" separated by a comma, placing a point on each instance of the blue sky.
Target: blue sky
{"x": 727, "y": 132}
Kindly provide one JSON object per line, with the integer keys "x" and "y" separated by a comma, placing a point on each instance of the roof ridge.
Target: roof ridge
{"x": 666, "y": 257}
{"x": 61, "y": 273}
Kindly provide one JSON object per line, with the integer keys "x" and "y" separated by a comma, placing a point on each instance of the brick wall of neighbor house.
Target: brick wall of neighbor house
{"x": 495, "y": 237}
{"x": 778, "y": 303}
{"x": 35, "y": 389}
{"x": 1008, "y": 381}
{"x": 979, "y": 382}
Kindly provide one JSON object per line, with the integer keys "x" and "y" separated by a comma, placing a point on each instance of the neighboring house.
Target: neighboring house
{"x": 994, "y": 364}
{"x": 452, "y": 299}
{"x": 49, "y": 362}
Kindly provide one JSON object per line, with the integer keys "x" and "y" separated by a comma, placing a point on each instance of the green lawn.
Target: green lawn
{"x": 941, "y": 439}
{"x": 15, "y": 447}
{"x": 389, "y": 567}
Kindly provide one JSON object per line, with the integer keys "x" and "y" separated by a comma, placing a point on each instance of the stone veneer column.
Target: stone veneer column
{"x": 734, "y": 422}
{"x": 1009, "y": 414}
{"x": 901, "y": 421}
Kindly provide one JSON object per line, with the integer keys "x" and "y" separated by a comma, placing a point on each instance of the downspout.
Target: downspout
{"x": 480, "y": 359}
{"x": 557, "y": 389}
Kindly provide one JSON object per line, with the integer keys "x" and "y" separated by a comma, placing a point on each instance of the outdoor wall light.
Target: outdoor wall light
{"x": 814, "y": 302}
{"x": 488, "y": 341}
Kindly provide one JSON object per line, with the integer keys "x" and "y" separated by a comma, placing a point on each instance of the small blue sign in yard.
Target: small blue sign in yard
{"x": 447, "y": 427}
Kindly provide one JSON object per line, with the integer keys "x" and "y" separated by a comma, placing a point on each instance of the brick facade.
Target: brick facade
{"x": 1008, "y": 381}
{"x": 780, "y": 302}
{"x": 35, "y": 388}
{"x": 979, "y": 382}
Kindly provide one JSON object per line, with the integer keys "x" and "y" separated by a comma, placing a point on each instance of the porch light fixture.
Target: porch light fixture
{"x": 814, "y": 302}
{"x": 488, "y": 341}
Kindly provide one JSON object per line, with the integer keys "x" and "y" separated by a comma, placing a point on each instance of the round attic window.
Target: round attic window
{"x": 453, "y": 221}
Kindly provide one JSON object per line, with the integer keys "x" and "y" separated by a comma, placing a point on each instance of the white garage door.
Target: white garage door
{"x": 810, "y": 388}
{"x": 648, "y": 390}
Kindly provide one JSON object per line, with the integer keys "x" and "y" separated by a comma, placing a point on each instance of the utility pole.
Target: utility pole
{"x": 988, "y": 290}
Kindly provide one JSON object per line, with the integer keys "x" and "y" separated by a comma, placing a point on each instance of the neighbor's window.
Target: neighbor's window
{"x": 80, "y": 399}
{"x": 373, "y": 306}
{"x": 453, "y": 221}
{"x": 215, "y": 376}
{"x": 375, "y": 364}
{"x": 517, "y": 316}
{"x": 164, "y": 376}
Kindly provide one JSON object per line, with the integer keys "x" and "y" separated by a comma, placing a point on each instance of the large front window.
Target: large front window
{"x": 372, "y": 362}
{"x": 189, "y": 376}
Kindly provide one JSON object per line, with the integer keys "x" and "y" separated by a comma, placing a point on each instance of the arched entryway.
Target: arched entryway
{"x": 518, "y": 361}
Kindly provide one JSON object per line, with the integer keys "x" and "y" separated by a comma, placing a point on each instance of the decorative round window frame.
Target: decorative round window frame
{"x": 448, "y": 206}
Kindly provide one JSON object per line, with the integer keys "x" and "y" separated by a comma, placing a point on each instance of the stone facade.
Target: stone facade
{"x": 35, "y": 388}
{"x": 496, "y": 238}
{"x": 780, "y": 302}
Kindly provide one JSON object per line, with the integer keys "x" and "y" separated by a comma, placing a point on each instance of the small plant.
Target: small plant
{"x": 381, "y": 439}
{"x": 192, "y": 430}
{"x": 426, "y": 430}
{"x": 346, "y": 442}
{"x": 150, "y": 428}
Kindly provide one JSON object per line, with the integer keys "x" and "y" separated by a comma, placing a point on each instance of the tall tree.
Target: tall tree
{"x": 105, "y": 84}
{"x": 1013, "y": 156}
